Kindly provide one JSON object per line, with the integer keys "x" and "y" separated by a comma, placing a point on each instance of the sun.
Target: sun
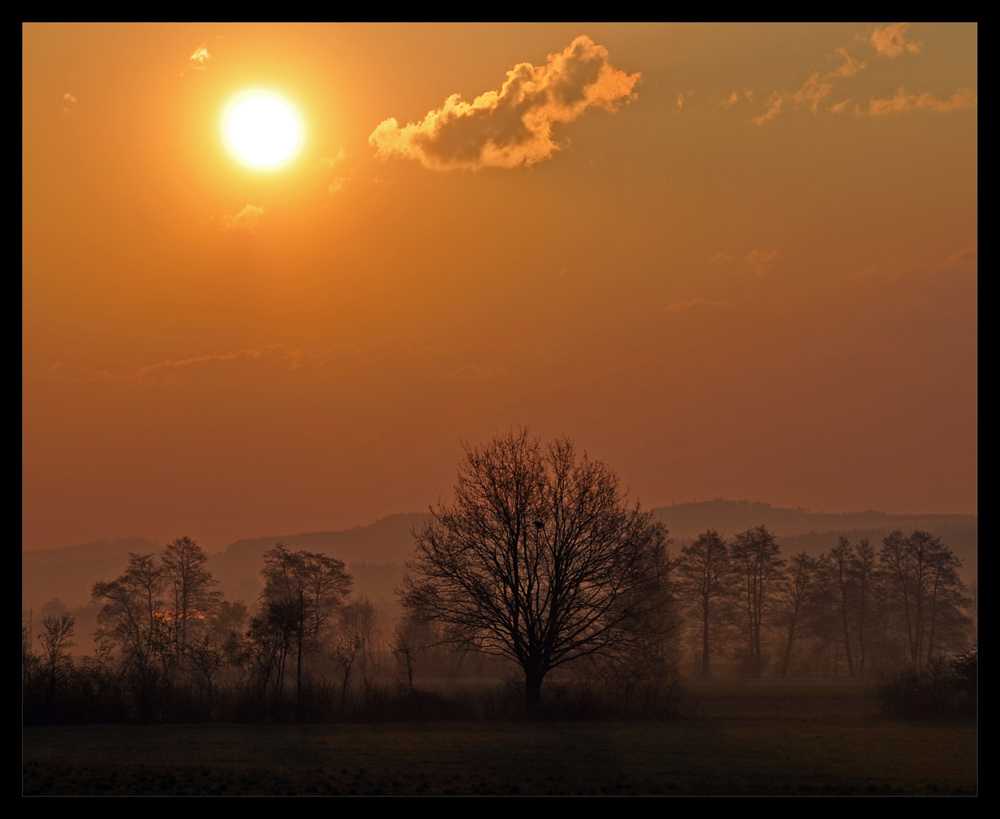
{"x": 262, "y": 129}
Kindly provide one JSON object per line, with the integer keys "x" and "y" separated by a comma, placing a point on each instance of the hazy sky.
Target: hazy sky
{"x": 732, "y": 261}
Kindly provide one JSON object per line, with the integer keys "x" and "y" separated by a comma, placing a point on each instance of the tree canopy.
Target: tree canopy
{"x": 539, "y": 559}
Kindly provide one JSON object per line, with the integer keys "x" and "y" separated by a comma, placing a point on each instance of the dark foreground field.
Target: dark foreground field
{"x": 818, "y": 739}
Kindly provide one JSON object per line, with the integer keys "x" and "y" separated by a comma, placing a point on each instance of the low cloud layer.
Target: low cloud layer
{"x": 511, "y": 127}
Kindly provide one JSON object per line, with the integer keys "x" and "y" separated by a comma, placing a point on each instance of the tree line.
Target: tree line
{"x": 540, "y": 563}
{"x": 855, "y": 608}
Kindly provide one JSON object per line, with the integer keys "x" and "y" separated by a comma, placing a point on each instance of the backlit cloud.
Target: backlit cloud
{"x": 340, "y": 362}
{"x": 245, "y": 221}
{"x": 511, "y": 127}
{"x": 813, "y": 91}
{"x": 198, "y": 61}
{"x": 891, "y": 40}
{"x": 759, "y": 262}
{"x": 678, "y": 306}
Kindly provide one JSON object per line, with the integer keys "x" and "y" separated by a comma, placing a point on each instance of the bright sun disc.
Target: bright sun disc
{"x": 262, "y": 129}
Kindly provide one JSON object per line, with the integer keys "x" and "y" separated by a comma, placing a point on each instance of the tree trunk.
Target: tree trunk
{"x": 533, "y": 691}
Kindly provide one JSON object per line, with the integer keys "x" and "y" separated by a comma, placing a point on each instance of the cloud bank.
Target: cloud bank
{"x": 511, "y": 127}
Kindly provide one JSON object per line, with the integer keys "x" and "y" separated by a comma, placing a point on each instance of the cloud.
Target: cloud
{"x": 68, "y": 100}
{"x": 678, "y": 306}
{"x": 813, "y": 91}
{"x": 243, "y": 222}
{"x": 891, "y": 41}
{"x": 734, "y": 97}
{"x": 339, "y": 182}
{"x": 198, "y": 61}
{"x": 902, "y": 102}
{"x": 759, "y": 262}
{"x": 327, "y": 162}
{"x": 343, "y": 362}
{"x": 967, "y": 257}
{"x": 511, "y": 127}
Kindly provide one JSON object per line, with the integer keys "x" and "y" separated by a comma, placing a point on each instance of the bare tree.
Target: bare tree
{"x": 798, "y": 592}
{"x": 190, "y": 585}
{"x": 539, "y": 560}
{"x": 129, "y": 616}
{"x": 840, "y": 578}
{"x": 56, "y": 637}
{"x": 302, "y": 591}
{"x": 706, "y": 584}
{"x": 863, "y": 571}
{"x": 755, "y": 554}
{"x": 925, "y": 587}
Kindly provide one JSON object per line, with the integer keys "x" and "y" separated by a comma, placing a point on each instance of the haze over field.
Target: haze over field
{"x": 731, "y": 261}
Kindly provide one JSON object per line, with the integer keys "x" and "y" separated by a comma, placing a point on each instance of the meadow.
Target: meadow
{"x": 733, "y": 738}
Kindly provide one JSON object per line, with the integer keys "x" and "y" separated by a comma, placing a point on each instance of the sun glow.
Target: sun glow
{"x": 262, "y": 129}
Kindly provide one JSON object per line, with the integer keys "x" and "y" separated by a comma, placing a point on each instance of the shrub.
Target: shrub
{"x": 941, "y": 689}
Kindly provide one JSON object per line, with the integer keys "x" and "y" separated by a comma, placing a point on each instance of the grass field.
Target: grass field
{"x": 738, "y": 738}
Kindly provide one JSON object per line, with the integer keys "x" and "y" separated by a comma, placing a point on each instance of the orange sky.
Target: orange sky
{"x": 732, "y": 261}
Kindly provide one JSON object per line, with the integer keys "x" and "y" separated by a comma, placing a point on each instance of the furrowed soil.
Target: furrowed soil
{"x": 736, "y": 738}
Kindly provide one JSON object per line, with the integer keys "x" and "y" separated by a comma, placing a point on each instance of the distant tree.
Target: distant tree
{"x": 132, "y": 630}
{"x": 797, "y": 594}
{"x": 302, "y": 592}
{"x": 189, "y": 585}
{"x": 56, "y": 638}
{"x": 705, "y": 583}
{"x": 840, "y": 578}
{"x": 925, "y": 588}
{"x": 356, "y": 644}
{"x": 539, "y": 560}
{"x": 864, "y": 573}
{"x": 129, "y": 610}
{"x": 756, "y": 557}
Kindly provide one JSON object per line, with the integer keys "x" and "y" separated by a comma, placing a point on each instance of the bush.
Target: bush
{"x": 942, "y": 689}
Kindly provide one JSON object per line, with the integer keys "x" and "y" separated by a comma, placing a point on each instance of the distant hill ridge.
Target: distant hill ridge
{"x": 688, "y": 520}
{"x": 70, "y": 572}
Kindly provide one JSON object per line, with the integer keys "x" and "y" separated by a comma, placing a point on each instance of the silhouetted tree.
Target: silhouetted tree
{"x": 798, "y": 592}
{"x": 756, "y": 556}
{"x": 302, "y": 591}
{"x": 539, "y": 560}
{"x": 705, "y": 583}
{"x": 189, "y": 584}
{"x": 924, "y": 585}
{"x": 129, "y": 610}
{"x": 839, "y": 576}
{"x": 865, "y": 577}
{"x": 130, "y": 624}
{"x": 56, "y": 637}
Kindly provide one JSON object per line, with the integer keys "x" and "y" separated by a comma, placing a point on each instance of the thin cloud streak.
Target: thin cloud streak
{"x": 902, "y": 102}
{"x": 243, "y": 222}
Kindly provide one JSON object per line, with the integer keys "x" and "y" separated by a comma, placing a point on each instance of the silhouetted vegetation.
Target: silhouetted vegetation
{"x": 538, "y": 569}
{"x": 938, "y": 689}
{"x": 540, "y": 561}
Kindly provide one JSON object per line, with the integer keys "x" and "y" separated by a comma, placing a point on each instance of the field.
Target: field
{"x": 735, "y": 739}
